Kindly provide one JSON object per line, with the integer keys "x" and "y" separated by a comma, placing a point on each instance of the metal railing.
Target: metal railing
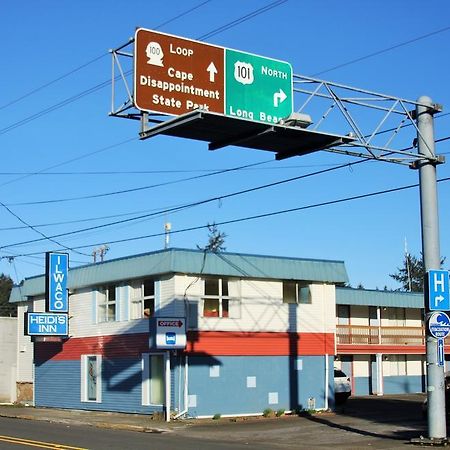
{"x": 366, "y": 335}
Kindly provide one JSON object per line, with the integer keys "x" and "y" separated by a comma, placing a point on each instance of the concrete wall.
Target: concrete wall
{"x": 8, "y": 350}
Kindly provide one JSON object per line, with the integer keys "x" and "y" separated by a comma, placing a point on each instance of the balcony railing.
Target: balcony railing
{"x": 363, "y": 335}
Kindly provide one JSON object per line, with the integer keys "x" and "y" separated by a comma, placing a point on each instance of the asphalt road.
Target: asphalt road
{"x": 376, "y": 422}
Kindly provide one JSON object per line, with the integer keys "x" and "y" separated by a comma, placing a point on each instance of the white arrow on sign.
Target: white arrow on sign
{"x": 438, "y": 300}
{"x": 212, "y": 72}
{"x": 279, "y": 97}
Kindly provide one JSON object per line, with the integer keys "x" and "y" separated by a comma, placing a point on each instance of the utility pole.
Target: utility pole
{"x": 431, "y": 259}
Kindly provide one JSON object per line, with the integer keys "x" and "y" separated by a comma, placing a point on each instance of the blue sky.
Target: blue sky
{"x": 47, "y": 39}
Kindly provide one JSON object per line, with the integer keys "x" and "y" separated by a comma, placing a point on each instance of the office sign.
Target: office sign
{"x": 170, "y": 333}
{"x": 174, "y": 75}
{"x": 46, "y": 324}
{"x": 57, "y": 265}
{"x": 438, "y": 290}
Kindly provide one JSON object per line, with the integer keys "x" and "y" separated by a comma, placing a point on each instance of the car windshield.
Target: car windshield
{"x": 339, "y": 373}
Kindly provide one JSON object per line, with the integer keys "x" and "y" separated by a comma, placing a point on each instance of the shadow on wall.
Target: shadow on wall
{"x": 121, "y": 353}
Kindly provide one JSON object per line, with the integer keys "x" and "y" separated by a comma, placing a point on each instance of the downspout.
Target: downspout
{"x": 185, "y": 410}
{"x": 327, "y": 384}
{"x": 168, "y": 386}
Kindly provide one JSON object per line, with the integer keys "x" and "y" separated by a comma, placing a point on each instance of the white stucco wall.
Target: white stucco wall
{"x": 8, "y": 350}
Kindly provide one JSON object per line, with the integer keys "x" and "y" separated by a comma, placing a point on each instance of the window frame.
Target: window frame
{"x": 105, "y": 293}
{"x": 142, "y": 298}
{"x": 298, "y": 286}
{"x": 220, "y": 297}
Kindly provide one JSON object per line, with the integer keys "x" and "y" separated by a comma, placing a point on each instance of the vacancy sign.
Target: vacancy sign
{"x": 173, "y": 75}
{"x": 57, "y": 265}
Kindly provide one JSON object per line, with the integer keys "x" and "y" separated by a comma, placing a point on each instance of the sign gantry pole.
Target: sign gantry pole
{"x": 431, "y": 259}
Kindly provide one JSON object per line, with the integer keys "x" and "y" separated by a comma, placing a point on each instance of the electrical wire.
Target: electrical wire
{"x": 106, "y": 83}
{"x": 147, "y": 187}
{"x": 256, "y": 217}
{"x": 88, "y": 63}
{"x": 190, "y": 205}
{"x": 385, "y": 50}
{"x": 137, "y": 189}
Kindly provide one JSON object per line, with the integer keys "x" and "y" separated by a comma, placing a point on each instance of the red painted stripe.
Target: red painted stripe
{"x": 243, "y": 344}
{"x": 115, "y": 346}
{"x": 199, "y": 343}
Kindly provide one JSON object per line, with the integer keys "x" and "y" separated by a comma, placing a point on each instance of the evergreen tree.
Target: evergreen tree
{"x": 411, "y": 274}
{"x": 6, "y": 308}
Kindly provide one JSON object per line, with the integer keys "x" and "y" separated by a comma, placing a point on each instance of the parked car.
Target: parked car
{"x": 342, "y": 387}
{"x": 447, "y": 396}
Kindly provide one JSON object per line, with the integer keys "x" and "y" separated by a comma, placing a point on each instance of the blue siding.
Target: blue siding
{"x": 229, "y": 394}
{"x": 402, "y": 384}
{"x": 362, "y": 386}
{"x": 58, "y": 385}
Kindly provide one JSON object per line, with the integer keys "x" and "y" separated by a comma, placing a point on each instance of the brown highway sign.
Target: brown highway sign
{"x": 173, "y": 75}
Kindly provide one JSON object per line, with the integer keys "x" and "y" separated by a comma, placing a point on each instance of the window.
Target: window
{"x": 296, "y": 292}
{"x": 143, "y": 299}
{"x": 107, "y": 304}
{"x": 216, "y": 301}
{"x": 91, "y": 378}
{"x": 153, "y": 380}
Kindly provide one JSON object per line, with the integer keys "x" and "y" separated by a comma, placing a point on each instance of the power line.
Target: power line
{"x": 106, "y": 83}
{"x": 38, "y": 231}
{"x": 258, "y": 216}
{"x": 161, "y": 171}
{"x": 140, "y": 188}
{"x": 193, "y": 204}
{"x": 147, "y": 187}
{"x": 77, "y": 158}
{"x": 385, "y": 50}
{"x": 88, "y": 63}
{"x": 242, "y": 19}
{"x": 50, "y": 83}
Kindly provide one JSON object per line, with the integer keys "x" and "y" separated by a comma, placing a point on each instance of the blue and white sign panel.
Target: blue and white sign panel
{"x": 439, "y": 325}
{"x": 57, "y": 265}
{"x": 441, "y": 355}
{"x": 170, "y": 333}
{"x": 47, "y": 324}
{"x": 438, "y": 290}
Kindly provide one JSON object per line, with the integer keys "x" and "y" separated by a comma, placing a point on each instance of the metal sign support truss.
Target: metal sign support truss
{"x": 379, "y": 125}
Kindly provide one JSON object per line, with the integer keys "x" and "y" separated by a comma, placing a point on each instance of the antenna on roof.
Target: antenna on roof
{"x": 167, "y": 229}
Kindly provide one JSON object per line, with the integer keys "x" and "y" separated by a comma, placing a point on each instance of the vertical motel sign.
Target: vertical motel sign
{"x": 56, "y": 293}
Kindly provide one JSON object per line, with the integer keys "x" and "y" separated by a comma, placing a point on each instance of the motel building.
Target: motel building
{"x": 192, "y": 334}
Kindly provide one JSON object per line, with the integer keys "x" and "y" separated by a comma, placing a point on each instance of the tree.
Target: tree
{"x": 216, "y": 240}
{"x": 6, "y": 308}
{"x": 411, "y": 274}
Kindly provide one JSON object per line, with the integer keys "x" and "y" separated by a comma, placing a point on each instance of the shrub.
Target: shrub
{"x": 216, "y": 416}
{"x": 268, "y": 412}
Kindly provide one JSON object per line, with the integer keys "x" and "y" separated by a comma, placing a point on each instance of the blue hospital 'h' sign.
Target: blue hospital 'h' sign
{"x": 57, "y": 265}
{"x": 438, "y": 290}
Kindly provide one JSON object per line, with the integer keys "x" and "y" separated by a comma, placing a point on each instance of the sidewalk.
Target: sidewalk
{"x": 100, "y": 419}
{"x": 388, "y": 422}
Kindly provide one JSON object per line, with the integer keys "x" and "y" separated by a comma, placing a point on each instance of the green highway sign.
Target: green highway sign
{"x": 257, "y": 88}
{"x": 174, "y": 75}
